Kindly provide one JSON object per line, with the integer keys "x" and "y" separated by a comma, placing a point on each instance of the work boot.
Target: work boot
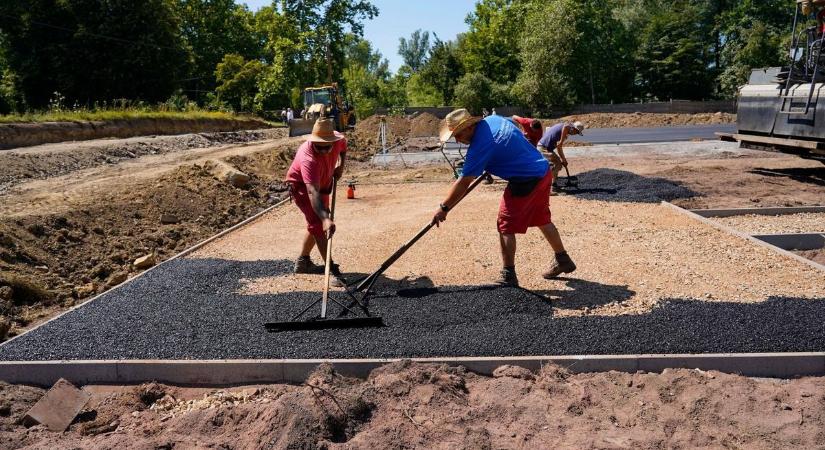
{"x": 563, "y": 264}
{"x": 336, "y": 278}
{"x": 304, "y": 264}
{"x": 507, "y": 277}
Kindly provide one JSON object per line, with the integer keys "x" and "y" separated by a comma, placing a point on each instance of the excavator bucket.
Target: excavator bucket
{"x": 300, "y": 127}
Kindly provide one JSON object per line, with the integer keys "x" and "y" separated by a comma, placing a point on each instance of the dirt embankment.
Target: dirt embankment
{"x": 407, "y": 405}
{"x": 52, "y": 261}
{"x": 645, "y": 120}
{"x": 60, "y": 159}
{"x": 15, "y": 135}
{"x": 364, "y": 141}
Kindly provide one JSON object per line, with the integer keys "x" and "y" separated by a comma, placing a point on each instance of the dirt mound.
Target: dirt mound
{"x": 54, "y": 261}
{"x": 405, "y": 405}
{"x": 425, "y": 125}
{"x": 363, "y": 142}
{"x": 621, "y": 120}
{"x": 21, "y": 166}
{"x": 14, "y": 135}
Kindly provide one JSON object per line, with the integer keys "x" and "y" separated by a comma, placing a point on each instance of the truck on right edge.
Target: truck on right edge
{"x": 783, "y": 108}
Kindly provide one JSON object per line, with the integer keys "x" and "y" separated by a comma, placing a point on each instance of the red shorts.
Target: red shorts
{"x": 302, "y": 201}
{"x": 516, "y": 214}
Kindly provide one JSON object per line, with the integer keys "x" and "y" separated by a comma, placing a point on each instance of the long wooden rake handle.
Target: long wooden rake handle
{"x": 328, "y": 265}
{"x": 367, "y": 282}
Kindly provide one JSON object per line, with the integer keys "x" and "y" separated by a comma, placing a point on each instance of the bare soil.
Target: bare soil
{"x": 408, "y": 405}
{"x": 57, "y": 253}
{"x": 817, "y": 256}
{"x": 66, "y": 238}
{"x": 645, "y": 120}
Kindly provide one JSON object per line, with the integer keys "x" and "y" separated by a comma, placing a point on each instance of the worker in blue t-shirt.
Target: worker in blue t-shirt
{"x": 498, "y": 146}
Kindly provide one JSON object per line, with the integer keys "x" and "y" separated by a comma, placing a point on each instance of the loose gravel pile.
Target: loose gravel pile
{"x": 788, "y": 223}
{"x": 623, "y": 186}
{"x": 191, "y": 309}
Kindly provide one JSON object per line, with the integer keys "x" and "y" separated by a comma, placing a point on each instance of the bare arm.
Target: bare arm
{"x": 339, "y": 171}
{"x": 456, "y": 193}
{"x": 560, "y": 146}
{"x": 314, "y": 192}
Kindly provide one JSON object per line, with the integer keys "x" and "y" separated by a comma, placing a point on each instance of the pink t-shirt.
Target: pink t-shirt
{"x": 311, "y": 167}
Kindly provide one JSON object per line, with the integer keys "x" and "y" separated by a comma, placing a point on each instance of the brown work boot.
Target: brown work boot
{"x": 304, "y": 264}
{"x": 507, "y": 277}
{"x": 336, "y": 278}
{"x": 563, "y": 264}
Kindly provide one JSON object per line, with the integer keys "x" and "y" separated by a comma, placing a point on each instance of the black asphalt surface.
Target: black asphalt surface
{"x": 657, "y": 134}
{"x": 623, "y": 186}
{"x": 190, "y": 309}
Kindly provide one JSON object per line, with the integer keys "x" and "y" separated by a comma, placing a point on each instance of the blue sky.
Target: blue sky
{"x": 399, "y": 18}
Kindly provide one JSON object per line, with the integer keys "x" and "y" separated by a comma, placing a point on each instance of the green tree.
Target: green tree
{"x": 673, "y": 56}
{"x": 305, "y": 44}
{"x": 474, "y": 91}
{"x": 759, "y": 46}
{"x": 212, "y": 29}
{"x": 421, "y": 93}
{"x": 366, "y": 76}
{"x": 93, "y": 50}
{"x": 443, "y": 69}
{"x": 11, "y": 99}
{"x": 237, "y": 81}
{"x": 414, "y": 50}
{"x": 491, "y": 44}
{"x": 586, "y": 58}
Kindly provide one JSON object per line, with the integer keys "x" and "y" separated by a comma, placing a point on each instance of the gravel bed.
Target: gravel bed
{"x": 193, "y": 309}
{"x": 622, "y": 186}
{"x": 787, "y": 223}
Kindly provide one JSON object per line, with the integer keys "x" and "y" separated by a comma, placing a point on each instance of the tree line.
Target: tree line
{"x": 541, "y": 54}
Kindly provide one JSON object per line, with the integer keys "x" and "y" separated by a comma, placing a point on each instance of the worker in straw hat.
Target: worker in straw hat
{"x": 497, "y": 145}
{"x": 310, "y": 180}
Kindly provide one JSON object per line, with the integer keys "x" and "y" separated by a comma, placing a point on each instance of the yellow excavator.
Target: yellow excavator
{"x": 323, "y": 101}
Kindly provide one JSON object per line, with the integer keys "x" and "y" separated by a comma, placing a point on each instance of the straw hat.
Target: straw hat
{"x": 455, "y": 122}
{"x": 324, "y": 131}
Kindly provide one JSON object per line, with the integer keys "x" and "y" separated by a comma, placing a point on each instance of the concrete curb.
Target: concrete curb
{"x": 185, "y": 252}
{"x": 748, "y": 237}
{"x": 778, "y": 211}
{"x": 227, "y": 372}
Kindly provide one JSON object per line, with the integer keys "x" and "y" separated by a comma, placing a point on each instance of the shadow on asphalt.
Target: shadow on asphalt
{"x": 196, "y": 309}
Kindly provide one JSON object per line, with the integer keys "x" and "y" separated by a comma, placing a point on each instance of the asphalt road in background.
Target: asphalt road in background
{"x": 659, "y": 134}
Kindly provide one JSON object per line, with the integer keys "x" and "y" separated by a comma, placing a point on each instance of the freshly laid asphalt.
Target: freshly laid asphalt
{"x": 191, "y": 309}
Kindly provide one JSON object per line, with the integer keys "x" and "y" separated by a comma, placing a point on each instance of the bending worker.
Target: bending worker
{"x": 530, "y": 127}
{"x": 498, "y": 146}
{"x": 310, "y": 179}
{"x": 554, "y": 139}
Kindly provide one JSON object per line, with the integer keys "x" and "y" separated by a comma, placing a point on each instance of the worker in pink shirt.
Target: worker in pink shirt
{"x": 310, "y": 179}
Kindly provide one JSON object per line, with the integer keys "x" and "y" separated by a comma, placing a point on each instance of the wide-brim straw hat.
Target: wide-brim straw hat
{"x": 455, "y": 122}
{"x": 324, "y": 132}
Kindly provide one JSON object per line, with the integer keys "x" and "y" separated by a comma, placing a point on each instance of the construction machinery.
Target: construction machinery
{"x": 783, "y": 108}
{"x": 323, "y": 101}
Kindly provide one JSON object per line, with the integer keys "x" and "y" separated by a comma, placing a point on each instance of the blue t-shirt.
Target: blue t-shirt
{"x": 551, "y": 137}
{"x": 499, "y": 147}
